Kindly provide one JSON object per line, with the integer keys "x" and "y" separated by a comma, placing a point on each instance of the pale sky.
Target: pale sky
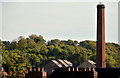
{"x": 61, "y": 20}
{"x": 119, "y": 22}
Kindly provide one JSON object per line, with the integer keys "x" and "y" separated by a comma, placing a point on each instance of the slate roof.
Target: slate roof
{"x": 92, "y": 62}
{"x": 87, "y": 64}
{"x": 62, "y": 63}
{"x": 57, "y": 63}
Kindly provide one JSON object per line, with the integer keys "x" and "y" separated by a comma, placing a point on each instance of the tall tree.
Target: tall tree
{"x": 22, "y": 43}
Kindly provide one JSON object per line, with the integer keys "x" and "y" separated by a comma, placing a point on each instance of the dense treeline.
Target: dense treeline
{"x": 19, "y": 55}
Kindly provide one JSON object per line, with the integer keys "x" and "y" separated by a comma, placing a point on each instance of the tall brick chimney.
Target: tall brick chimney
{"x": 100, "y": 56}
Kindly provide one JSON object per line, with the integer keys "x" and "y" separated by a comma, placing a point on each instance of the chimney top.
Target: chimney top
{"x": 100, "y": 5}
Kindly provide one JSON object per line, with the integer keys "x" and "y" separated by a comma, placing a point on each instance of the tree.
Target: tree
{"x": 70, "y": 42}
{"x": 37, "y": 38}
{"x": 53, "y": 42}
{"x": 31, "y": 44}
{"x": 110, "y": 61}
{"x": 33, "y": 36}
{"x": 15, "y": 63}
{"x": 7, "y": 43}
{"x": 13, "y": 45}
{"x": 22, "y": 43}
{"x": 34, "y": 60}
{"x": 31, "y": 51}
{"x": 75, "y": 42}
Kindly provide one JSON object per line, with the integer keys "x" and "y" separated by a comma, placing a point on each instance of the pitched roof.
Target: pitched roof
{"x": 69, "y": 63}
{"x": 62, "y": 63}
{"x": 87, "y": 64}
{"x": 57, "y": 63}
{"x": 90, "y": 61}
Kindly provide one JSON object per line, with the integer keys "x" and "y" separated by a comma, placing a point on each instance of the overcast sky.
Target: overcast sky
{"x": 75, "y": 20}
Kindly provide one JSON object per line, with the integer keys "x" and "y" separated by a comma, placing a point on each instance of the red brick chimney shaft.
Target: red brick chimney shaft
{"x": 100, "y": 59}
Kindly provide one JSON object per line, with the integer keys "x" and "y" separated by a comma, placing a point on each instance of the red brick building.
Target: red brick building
{"x": 36, "y": 72}
{"x": 53, "y": 64}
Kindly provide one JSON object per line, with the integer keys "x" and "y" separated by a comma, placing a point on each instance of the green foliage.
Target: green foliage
{"x": 110, "y": 61}
{"x": 34, "y": 60}
{"x": 37, "y": 38}
{"x": 89, "y": 45}
{"x": 93, "y": 57}
{"x": 13, "y": 45}
{"x": 14, "y": 62}
{"x": 31, "y": 43}
{"x": 32, "y": 51}
{"x": 22, "y": 43}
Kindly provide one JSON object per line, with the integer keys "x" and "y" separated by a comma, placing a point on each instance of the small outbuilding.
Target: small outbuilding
{"x": 53, "y": 64}
{"x": 87, "y": 64}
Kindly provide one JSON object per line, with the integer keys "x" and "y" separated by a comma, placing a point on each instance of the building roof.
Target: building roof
{"x": 62, "y": 63}
{"x": 69, "y": 63}
{"x": 57, "y": 63}
{"x": 90, "y": 61}
{"x": 87, "y": 64}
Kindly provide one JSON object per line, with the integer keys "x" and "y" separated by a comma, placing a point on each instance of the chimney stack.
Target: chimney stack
{"x": 100, "y": 56}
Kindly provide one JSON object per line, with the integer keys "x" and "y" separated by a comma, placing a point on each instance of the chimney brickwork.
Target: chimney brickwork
{"x": 100, "y": 56}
